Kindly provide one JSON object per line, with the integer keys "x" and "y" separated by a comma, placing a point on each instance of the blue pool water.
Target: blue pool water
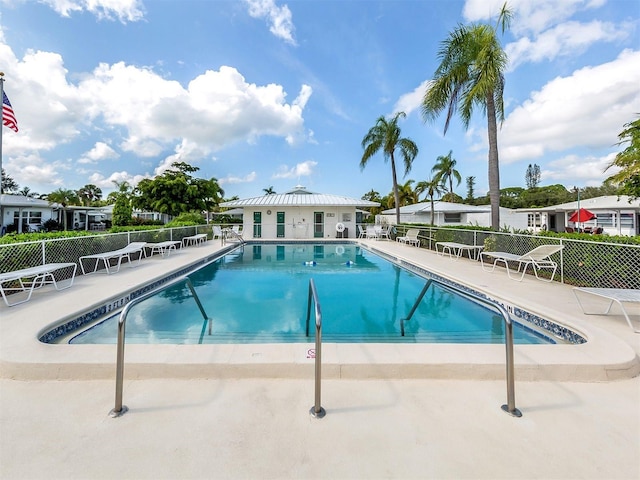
{"x": 259, "y": 293}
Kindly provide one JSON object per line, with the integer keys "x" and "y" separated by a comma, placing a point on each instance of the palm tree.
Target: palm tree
{"x": 269, "y": 191}
{"x": 471, "y": 74}
{"x": 27, "y": 192}
{"x": 64, "y": 198}
{"x": 432, "y": 187}
{"x": 406, "y": 194}
{"x": 89, "y": 193}
{"x": 445, "y": 169}
{"x": 385, "y": 136}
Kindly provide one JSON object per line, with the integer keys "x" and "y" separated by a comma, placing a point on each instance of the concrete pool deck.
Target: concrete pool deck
{"x": 431, "y": 412}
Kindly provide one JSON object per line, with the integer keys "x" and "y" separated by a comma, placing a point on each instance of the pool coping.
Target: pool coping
{"x": 603, "y": 357}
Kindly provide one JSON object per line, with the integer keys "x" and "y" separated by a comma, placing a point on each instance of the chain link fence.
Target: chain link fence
{"x": 16, "y": 256}
{"x": 582, "y": 263}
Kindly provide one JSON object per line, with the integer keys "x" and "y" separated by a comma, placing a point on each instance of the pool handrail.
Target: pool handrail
{"x": 510, "y": 406}
{"x": 119, "y": 409}
{"x": 316, "y": 411}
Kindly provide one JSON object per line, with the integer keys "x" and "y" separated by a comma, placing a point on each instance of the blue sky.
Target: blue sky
{"x": 262, "y": 93}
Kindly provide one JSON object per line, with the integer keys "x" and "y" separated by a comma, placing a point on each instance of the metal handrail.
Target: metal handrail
{"x": 510, "y": 406}
{"x": 316, "y": 411}
{"x": 119, "y": 409}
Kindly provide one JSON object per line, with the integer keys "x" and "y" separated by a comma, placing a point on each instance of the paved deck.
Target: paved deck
{"x": 430, "y": 412}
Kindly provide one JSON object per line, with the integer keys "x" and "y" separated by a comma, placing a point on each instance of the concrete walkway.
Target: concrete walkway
{"x": 376, "y": 426}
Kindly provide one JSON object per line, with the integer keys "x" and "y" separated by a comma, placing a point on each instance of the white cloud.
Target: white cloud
{"x": 100, "y": 151}
{"x": 123, "y": 10}
{"x": 278, "y": 18}
{"x": 231, "y": 179}
{"x": 577, "y": 169}
{"x": 567, "y": 39}
{"x": 411, "y": 101}
{"x": 532, "y": 16}
{"x": 585, "y": 109}
{"x": 104, "y": 183}
{"x": 303, "y": 169}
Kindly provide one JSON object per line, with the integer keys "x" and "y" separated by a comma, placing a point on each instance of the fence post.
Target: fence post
{"x": 561, "y": 264}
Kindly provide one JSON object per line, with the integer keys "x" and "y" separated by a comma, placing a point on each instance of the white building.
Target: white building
{"x": 22, "y": 214}
{"x": 300, "y": 214}
{"x": 615, "y": 215}
{"x": 452, "y": 214}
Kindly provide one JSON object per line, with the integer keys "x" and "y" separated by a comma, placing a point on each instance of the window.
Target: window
{"x": 605, "y": 219}
{"x": 32, "y": 218}
{"x": 626, "y": 219}
{"x": 346, "y": 217}
{"x": 452, "y": 217}
{"x": 534, "y": 220}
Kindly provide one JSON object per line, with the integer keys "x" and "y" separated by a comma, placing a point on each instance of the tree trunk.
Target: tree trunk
{"x": 396, "y": 195}
{"x": 494, "y": 167}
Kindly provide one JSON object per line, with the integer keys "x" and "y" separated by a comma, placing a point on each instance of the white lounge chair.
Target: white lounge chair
{"x": 29, "y": 279}
{"x": 197, "y": 239}
{"x": 163, "y": 248}
{"x": 538, "y": 258}
{"x": 617, "y": 295}
{"x": 118, "y": 255}
{"x": 411, "y": 237}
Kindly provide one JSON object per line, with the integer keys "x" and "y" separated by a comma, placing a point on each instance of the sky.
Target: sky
{"x": 271, "y": 93}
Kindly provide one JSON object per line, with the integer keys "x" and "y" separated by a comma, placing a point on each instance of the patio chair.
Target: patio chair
{"x": 617, "y": 295}
{"x": 411, "y": 237}
{"x": 538, "y": 258}
{"x": 217, "y": 232}
{"x": 384, "y": 232}
{"x": 361, "y": 232}
{"x": 371, "y": 232}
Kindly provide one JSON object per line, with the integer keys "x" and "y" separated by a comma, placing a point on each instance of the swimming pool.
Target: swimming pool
{"x": 258, "y": 294}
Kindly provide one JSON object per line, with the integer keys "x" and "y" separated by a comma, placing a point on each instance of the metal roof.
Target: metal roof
{"x": 438, "y": 206}
{"x": 7, "y": 200}
{"x": 300, "y": 197}
{"x": 606, "y": 202}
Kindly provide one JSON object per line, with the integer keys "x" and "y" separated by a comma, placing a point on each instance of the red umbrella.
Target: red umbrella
{"x": 582, "y": 215}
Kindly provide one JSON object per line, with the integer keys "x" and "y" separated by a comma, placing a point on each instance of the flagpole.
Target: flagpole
{"x": 1, "y": 128}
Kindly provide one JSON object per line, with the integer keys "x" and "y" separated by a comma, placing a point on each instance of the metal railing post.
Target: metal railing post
{"x": 316, "y": 411}
{"x": 119, "y": 409}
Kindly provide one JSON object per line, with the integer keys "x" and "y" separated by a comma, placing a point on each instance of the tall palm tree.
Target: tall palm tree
{"x": 471, "y": 74}
{"x": 445, "y": 169}
{"x": 385, "y": 136}
{"x": 64, "y": 198}
{"x": 432, "y": 187}
{"x": 269, "y": 191}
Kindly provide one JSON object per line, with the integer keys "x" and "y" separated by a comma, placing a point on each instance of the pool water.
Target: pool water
{"x": 259, "y": 293}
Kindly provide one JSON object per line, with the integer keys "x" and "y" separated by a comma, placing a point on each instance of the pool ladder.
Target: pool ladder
{"x": 510, "y": 407}
{"x": 119, "y": 409}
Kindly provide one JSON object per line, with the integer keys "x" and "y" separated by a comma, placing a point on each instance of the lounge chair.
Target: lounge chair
{"x": 163, "y": 248}
{"x": 411, "y": 237}
{"x": 538, "y": 258}
{"x": 28, "y": 279}
{"x": 197, "y": 239}
{"x": 617, "y": 295}
{"x": 118, "y": 255}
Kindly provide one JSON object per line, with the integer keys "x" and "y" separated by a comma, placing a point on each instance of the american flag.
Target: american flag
{"x": 8, "y": 117}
